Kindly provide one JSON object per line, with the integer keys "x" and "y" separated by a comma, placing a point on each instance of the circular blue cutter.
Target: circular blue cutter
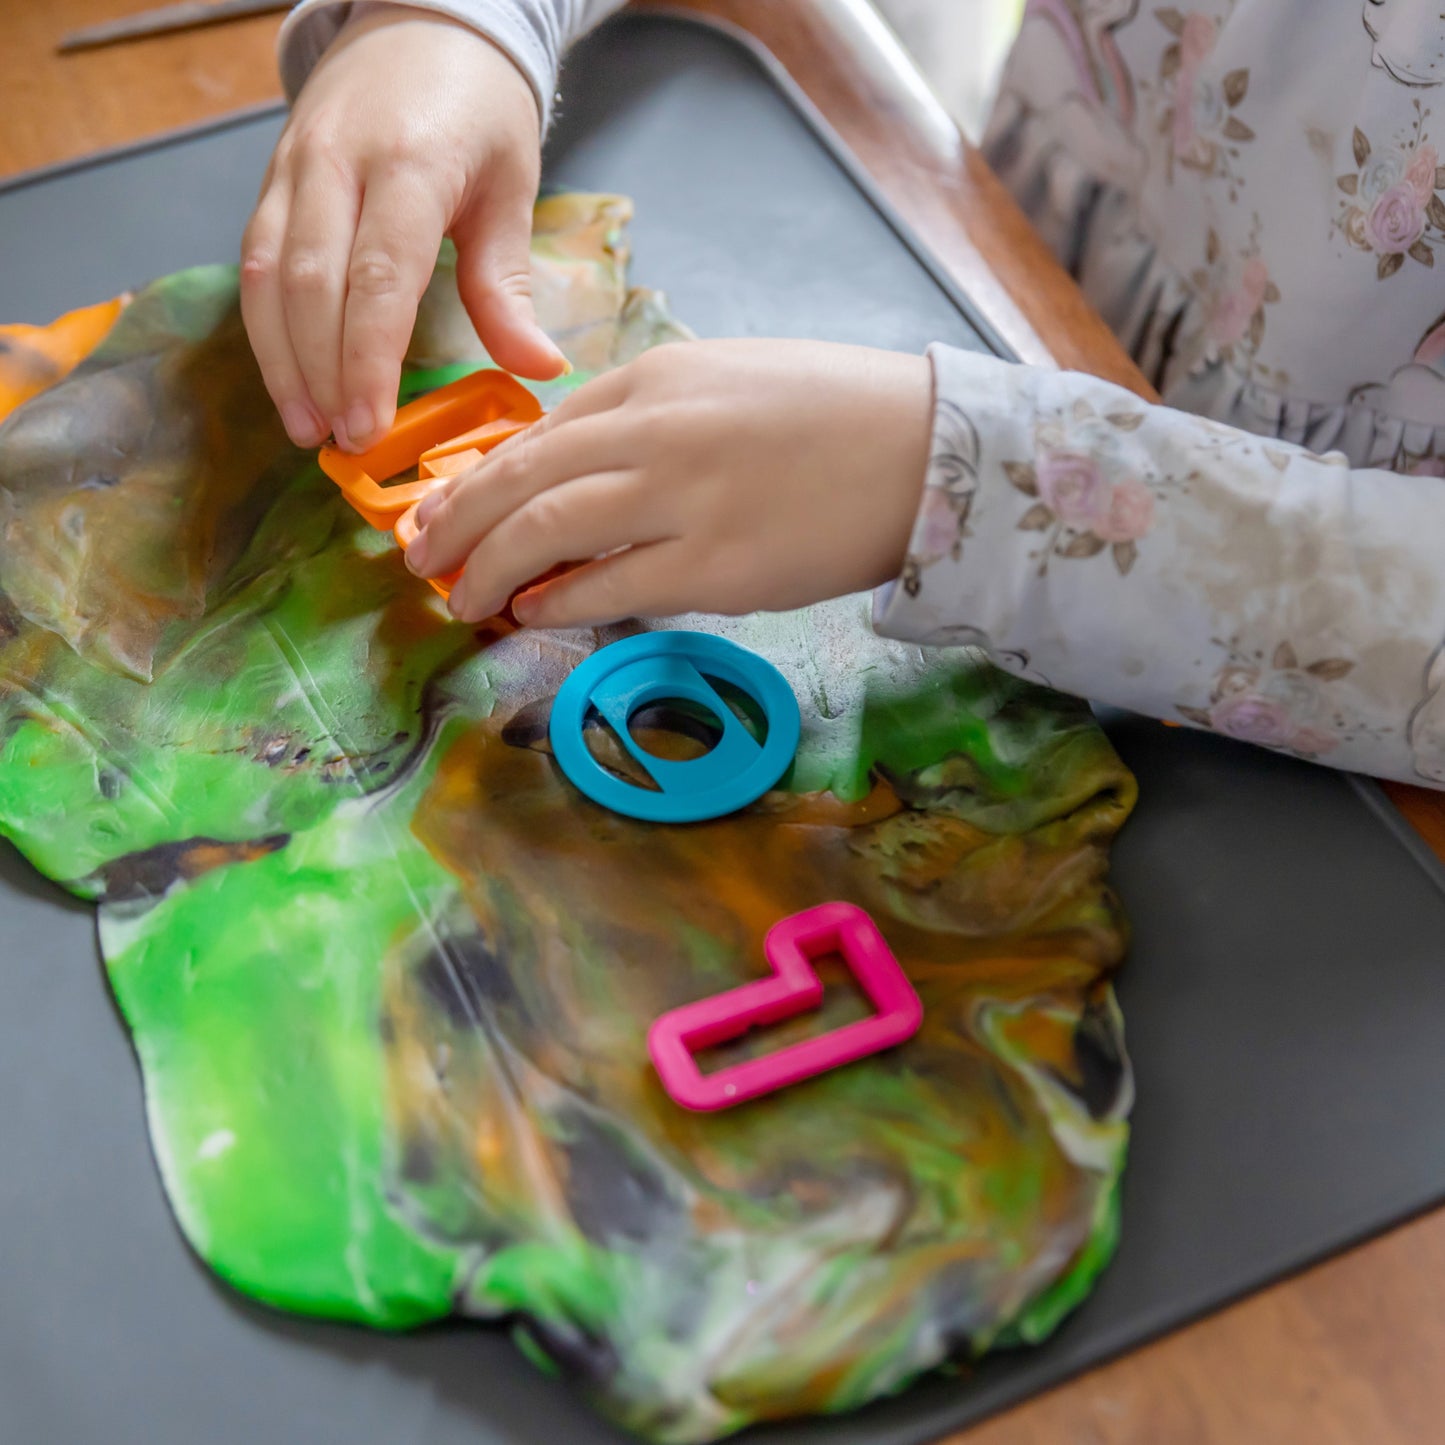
{"x": 626, "y": 676}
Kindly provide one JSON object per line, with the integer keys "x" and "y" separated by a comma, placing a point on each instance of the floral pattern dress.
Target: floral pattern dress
{"x": 1252, "y": 194}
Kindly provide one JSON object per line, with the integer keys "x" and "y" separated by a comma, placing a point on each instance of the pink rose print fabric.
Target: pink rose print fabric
{"x": 1394, "y": 204}
{"x": 1083, "y": 505}
{"x": 1201, "y": 110}
{"x": 1234, "y": 294}
{"x": 1263, "y": 226}
{"x": 1171, "y": 564}
{"x": 1280, "y": 704}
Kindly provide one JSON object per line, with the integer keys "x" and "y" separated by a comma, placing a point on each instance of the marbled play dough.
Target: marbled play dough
{"x": 390, "y": 977}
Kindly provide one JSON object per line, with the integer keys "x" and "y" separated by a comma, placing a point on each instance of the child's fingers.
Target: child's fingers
{"x": 542, "y": 458}
{"x": 604, "y": 394}
{"x": 494, "y": 277}
{"x": 583, "y": 519}
{"x": 324, "y": 212}
{"x": 263, "y": 310}
{"x": 641, "y": 582}
{"x": 397, "y": 239}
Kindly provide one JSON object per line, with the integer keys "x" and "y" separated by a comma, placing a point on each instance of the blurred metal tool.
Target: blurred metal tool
{"x": 167, "y": 20}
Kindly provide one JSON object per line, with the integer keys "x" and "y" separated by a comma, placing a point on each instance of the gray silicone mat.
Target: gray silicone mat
{"x": 1285, "y": 995}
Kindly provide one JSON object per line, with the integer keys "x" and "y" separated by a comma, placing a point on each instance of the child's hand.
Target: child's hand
{"x": 741, "y": 476}
{"x": 412, "y": 127}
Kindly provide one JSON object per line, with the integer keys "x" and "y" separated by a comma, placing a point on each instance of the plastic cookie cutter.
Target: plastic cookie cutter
{"x": 626, "y": 676}
{"x": 438, "y": 434}
{"x": 794, "y": 988}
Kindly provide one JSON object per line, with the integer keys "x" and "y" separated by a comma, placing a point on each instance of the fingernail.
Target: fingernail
{"x": 427, "y": 508}
{"x": 301, "y": 424}
{"x": 416, "y": 554}
{"x": 457, "y": 602}
{"x": 338, "y": 432}
{"x": 360, "y": 424}
{"x": 524, "y": 608}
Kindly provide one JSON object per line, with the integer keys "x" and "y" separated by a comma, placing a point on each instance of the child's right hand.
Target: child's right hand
{"x": 412, "y": 127}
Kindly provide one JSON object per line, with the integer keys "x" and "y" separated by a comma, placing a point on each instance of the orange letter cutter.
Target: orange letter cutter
{"x": 439, "y": 434}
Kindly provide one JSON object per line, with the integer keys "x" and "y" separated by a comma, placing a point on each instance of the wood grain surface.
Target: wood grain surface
{"x": 1345, "y": 1354}
{"x": 59, "y": 107}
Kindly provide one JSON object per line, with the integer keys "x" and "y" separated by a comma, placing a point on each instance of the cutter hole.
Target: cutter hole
{"x": 743, "y": 706}
{"x": 608, "y": 752}
{"x": 844, "y": 1002}
{"x": 675, "y": 730}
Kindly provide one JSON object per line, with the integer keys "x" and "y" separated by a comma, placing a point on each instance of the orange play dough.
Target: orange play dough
{"x": 35, "y": 357}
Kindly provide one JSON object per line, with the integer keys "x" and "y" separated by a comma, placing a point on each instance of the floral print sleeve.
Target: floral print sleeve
{"x": 1181, "y": 568}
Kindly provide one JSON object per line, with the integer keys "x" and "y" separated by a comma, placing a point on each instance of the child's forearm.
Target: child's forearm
{"x": 1164, "y": 563}
{"x": 534, "y": 33}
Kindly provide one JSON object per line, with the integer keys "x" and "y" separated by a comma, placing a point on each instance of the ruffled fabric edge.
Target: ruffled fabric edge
{"x": 1098, "y": 233}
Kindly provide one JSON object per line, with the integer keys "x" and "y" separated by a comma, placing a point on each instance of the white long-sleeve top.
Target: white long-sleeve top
{"x": 1252, "y": 194}
{"x": 535, "y": 33}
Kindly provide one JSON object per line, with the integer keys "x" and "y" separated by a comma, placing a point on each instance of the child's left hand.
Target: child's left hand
{"x": 739, "y": 476}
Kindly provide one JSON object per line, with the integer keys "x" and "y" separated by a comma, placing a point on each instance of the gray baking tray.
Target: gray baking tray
{"x": 1285, "y": 994}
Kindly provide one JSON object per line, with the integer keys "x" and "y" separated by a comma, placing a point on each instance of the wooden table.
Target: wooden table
{"x": 1343, "y": 1354}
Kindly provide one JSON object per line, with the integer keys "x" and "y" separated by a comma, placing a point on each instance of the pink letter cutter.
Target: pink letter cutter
{"x": 794, "y": 988}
